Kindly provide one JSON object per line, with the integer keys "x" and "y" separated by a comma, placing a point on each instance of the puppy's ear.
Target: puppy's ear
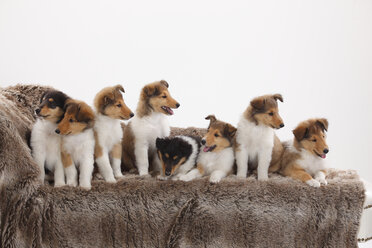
{"x": 212, "y": 118}
{"x": 108, "y": 99}
{"x": 322, "y": 123}
{"x": 278, "y": 97}
{"x": 301, "y": 132}
{"x": 258, "y": 103}
{"x": 163, "y": 82}
{"x": 85, "y": 114}
{"x": 159, "y": 143}
{"x": 119, "y": 87}
{"x": 230, "y": 130}
{"x": 150, "y": 90}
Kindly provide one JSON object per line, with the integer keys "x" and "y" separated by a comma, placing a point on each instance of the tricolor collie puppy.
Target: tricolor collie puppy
{"x": 110, "y": 109}
{"x": 216, "y": 157}
{"x": 304, "y": 158}
{"x": 45, "y": 143}
{"x": 150, "y": 122}
{"x": 77, "y": 142}
{"x": 256, "y": 143}
{"x": 177, "y": 155}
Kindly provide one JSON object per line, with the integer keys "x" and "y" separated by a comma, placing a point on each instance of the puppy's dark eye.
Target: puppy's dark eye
{"x": 71, "y": 120}
{"x": 314, "y": 140}
{"x": 216, "y": 135}
{"x": 164, "y": 96}
{"x": 271, "y": 113}
{"x": 119, "y": 105}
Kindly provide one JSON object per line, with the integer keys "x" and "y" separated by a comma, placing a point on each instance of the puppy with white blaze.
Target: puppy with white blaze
{"x": 149, "y": 123}
{"x": 257, "y": 146}
{"x": 303, "y": 159}
{"x": 110, "y": 110}
{"x": 45, "y": 143}
{"x": 177, "y": 155}
{"x": 76, "y": 129}
{"x": 216, "y": 158}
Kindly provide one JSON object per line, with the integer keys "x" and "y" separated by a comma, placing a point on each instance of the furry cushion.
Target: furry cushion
{"x": 144, "y": 212}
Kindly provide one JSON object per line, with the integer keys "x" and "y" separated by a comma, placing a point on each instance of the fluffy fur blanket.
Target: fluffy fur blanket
{"x": 144, "y": 212}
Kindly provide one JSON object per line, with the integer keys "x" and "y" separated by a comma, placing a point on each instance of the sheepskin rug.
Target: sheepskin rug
{"x": 144, "y": 212}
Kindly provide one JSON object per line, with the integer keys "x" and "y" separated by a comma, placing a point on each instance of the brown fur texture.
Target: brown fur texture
{"x": 77, "y": 118}
{"x": 109, "y": 101}
{"x": 145, "y": 212}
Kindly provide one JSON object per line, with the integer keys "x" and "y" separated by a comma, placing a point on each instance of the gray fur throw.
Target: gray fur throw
{"x": 144, "y": 212}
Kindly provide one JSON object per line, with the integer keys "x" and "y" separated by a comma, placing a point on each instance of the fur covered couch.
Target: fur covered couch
{"x": 143, "y": 212}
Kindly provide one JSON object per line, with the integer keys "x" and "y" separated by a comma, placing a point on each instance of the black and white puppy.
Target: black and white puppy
{"x": 177, "y": 155}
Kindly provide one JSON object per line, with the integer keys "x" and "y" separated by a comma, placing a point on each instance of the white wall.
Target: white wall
{"x": 216, "y": 55}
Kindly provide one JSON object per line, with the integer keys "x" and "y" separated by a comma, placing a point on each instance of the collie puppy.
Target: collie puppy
{"x": 304, "y": 158}
{"x": 150, "y": 122}
{"x": 216, "y": 157}
{"x": 177, "y": 155}
{"x": 45, "y": 143}
{"x": 110, "y": 110}
{"x": 77, "y": 150}
{"x": 257, "y": 146}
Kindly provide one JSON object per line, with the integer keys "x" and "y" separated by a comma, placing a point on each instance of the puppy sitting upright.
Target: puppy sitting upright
{"x": 256, "y": 142}
{"x": 149, "y": 123}
{"x": 110, "y": 108}
{"x": 303, "y": 159}
{"x": 177, "y": 155}
{"x": 77, "y": 142}
{"x": 216, "y": 157}
{"x": 45, "y": 143}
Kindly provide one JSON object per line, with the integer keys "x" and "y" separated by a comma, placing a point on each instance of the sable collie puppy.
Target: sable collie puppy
{"x": 216, "y": 157}
{"x": 77, "y": 142}
{"x": 304, "y": 158}
{"x": 45, "y": 143}
{"x": 150, "y": 122}
{"x": 177, "y": 155}
{"x": 257, "y": 146}
{"x": 110, "y": 109}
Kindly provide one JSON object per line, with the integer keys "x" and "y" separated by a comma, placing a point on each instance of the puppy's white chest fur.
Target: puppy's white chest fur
{"x": 254, "y": 138}
{"x": 108, "y": 130}
{"x": 148, "y": 128}
{"x": 45, "y": 140}
{"x": 212, "y": 161}
{"x": 310, "y": 163}
{"x": 80, "y": 146}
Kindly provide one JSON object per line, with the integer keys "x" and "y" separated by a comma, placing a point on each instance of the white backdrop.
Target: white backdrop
{"x": 216, "y": 56}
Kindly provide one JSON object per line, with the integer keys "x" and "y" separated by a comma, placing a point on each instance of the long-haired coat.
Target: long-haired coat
{"x": 110, "y": 110}
{"x": 76, "y": 127}
{"x": 257, "y": 146}
{"x": 45, "y": 143}
{"x": 216, "y": 158}
{"x": 149, "y": 123}
{"x": 303, "y": 159}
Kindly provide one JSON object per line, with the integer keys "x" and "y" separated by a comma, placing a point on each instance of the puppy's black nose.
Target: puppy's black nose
{"x": 58, "y": 131}
{"x": 131, "y": 115}
{"x": 281, "y": 125}
{"x": 325, "y": 151}
{"x": 37, "y": 111}
{"x": 203, "y": 141}
{"x": 167, "y": 173}
{"x": 177, "y": 105}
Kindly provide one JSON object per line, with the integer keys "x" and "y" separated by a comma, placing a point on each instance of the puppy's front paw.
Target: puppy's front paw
{"x": 313, "y": 183}
{"x": 111, "y": 180}
{"x": 185, "y": 178}
{"x": 214, "y": 179}
{"x": 72, "y": 183}
{"x": 59, "y": 184}
{"x": 263, "y": 177}
{"x": 85, "y": 186}
{"x": 322, "y": 181}
{"x": 241, "y": 175}
{"x": 163, "y": 178}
